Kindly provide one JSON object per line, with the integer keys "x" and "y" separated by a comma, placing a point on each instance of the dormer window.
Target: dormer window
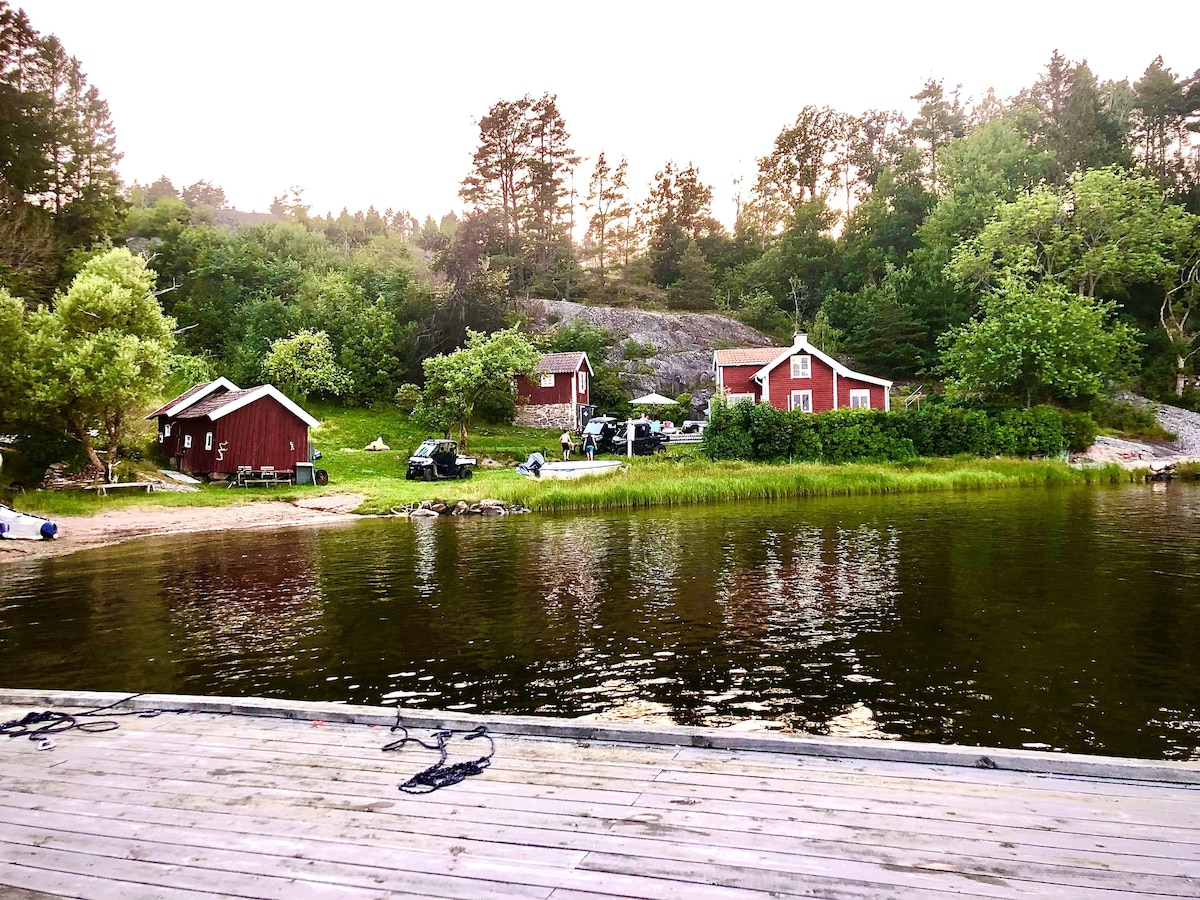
{"x": 802, "y": 366}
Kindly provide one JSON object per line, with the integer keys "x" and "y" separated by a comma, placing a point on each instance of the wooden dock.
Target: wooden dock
{"x": 219, "y": 797}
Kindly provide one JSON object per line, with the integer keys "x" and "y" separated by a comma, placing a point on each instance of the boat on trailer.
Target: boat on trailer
{"x": 19, "y": 525}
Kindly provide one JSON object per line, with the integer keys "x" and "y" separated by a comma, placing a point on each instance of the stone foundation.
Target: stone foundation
{"x": 548, "y": 415}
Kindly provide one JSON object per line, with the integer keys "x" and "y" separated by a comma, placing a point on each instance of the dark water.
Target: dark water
{"x": 1067, "y": 619}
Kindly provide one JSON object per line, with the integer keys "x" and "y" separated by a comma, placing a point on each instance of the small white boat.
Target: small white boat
{"x": 578, "y": 469}
{"x": 14, "y": 524}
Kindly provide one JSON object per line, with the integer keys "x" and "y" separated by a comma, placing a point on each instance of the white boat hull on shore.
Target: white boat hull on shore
{"x": 14, "y": 524}
{"x": 581, "y": 469}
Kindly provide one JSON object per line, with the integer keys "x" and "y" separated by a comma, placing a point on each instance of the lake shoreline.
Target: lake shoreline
{"x": 128, "y": 523}
{"x": 652, "y": 484}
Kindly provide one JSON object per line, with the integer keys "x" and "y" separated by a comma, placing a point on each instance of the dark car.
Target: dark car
{"x": 612, "y": 437}
{"x": 439, "y": 459}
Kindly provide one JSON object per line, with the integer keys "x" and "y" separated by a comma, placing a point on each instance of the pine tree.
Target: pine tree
{"x": 58, "y": 153}
{"x": 606, "y": 195}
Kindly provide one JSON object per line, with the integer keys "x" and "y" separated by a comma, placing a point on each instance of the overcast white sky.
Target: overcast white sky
{"x": 366, "y": 103}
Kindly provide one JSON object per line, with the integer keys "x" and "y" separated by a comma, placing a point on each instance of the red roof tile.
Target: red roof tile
{"x": 554, "y": 363}
{"x": 194, "y": 389}
{"x": 212, "y": 404}
{"x": 748, "y": 356}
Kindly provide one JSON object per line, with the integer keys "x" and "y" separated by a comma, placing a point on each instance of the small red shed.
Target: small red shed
{"x": 558, "y": 393}
{"x": 796, "y": 377}
{"x": 215, "y": 427}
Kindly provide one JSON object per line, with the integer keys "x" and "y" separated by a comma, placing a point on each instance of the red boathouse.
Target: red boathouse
{"x": 557, "y": 394}
{"x": 796, "y": 377}
{"x": 216, "y": 427}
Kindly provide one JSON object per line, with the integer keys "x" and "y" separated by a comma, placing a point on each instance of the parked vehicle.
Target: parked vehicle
{"x": 611, "y": 436}
{"x": 439, "y": 459}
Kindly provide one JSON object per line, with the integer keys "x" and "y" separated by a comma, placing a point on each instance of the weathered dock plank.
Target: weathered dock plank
{"x": 257, "y": 798}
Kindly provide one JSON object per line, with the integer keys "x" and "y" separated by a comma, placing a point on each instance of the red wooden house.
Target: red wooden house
{"x": 558, "y": 394}
{"x": 796, "y": 377}
{"x": 213, "y": 428}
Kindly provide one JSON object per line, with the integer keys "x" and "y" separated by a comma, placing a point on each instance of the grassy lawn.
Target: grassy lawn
{"x": 680, "y": 476}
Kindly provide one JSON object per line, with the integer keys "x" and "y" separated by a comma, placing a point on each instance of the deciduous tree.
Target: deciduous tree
{"x": 455, "y": 383}
{"x": 304, "y": 365}
{"x": 100, "y": 354}
{"x": 1037, "y": 345}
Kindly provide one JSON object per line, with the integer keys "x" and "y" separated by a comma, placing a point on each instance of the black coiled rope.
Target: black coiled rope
{"x": 440, "y": 775}
{"x": 40, "y": 724}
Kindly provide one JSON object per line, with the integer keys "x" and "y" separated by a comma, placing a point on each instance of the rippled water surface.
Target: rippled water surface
{"x": 1066, "y": 619}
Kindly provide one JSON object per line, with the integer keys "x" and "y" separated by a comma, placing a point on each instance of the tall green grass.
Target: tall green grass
{"x": 664, "y": 484}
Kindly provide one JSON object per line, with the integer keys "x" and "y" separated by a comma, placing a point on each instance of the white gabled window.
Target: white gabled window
{"x": 802, "y": 366}
{"x": 548, "y": 380}
{"x": 187, "y": 441}
{"x": 582, "y": 381}
{"x": 208, "y": 441}
{"x": 860, "y": 399}
{"x": 802, "y": 400}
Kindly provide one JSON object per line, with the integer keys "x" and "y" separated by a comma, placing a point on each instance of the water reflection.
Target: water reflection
{"x": 1063, "y": 619}
{"x": 247, "y": 617}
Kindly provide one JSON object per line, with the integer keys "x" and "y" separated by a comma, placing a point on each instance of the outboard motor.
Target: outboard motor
{"x": 533, "y": 465}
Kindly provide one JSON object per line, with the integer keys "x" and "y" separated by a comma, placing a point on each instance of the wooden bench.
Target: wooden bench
{"x": 103, "y": 489}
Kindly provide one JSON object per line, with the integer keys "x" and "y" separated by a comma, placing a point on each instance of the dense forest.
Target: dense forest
{"x": 1053, "y": 234}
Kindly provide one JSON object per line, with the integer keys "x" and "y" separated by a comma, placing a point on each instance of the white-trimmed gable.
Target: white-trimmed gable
{"x": 267, "y": 390}
{"x": 191, "y": 397}
{"x": 801, "y": 345}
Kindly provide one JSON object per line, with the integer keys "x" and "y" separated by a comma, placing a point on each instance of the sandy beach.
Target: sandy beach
{"x": 82, "y": 532}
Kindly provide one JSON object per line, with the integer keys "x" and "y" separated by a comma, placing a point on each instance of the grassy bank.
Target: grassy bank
{"x": 680, "y": 477}
{"x": 667, "y": 482}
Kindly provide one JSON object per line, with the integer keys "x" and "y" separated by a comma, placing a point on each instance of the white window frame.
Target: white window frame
{"x": 735, "y": 399}
{"x": 548, "y": 380}
{"x": 187, "y": 441}
{"x": 167, "y": 430}
{"x": 802, "y": 366}
{"x": 805, "y": 401}
{"x": 860, "y": 398}
{"x": 582, "y": 381}
{"x": 208, "y": 441}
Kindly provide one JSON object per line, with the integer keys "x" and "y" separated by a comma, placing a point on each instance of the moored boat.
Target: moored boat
{"x": 580, "y": 469}
{"x": 14, "y": 524}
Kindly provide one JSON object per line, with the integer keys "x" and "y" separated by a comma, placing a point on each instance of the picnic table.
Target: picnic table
{"x": 268, "y": 476}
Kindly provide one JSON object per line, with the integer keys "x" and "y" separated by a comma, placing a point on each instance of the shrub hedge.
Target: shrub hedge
{"x": 761, "y": 433}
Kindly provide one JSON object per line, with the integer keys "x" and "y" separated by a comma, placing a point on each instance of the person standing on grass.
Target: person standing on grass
{"x": 589, "y": 445}
{"x": 567, "y": 444}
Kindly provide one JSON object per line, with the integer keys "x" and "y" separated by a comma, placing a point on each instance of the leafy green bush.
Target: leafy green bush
{"x": 853, "y": 435}
{"x": 1128, "y": 420}
{"x": 762, "y": 433}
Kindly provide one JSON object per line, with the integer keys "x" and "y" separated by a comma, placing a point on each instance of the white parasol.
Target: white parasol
{"x": 652, "y": 400}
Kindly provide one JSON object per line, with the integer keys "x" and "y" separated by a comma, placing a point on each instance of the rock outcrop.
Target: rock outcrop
{"x": 682, "y": 343}
{"x": 1151, "y": 454}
